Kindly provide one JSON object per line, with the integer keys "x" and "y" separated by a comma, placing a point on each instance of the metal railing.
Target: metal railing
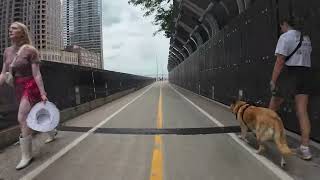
{"x": 238, "y": 61}
{"x": 71, "y": 85}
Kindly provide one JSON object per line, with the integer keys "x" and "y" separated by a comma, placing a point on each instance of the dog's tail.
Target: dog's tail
{"x": 281, "y": 142}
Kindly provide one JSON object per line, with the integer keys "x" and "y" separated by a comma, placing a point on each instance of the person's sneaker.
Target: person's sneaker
{"x": 304, "y": 153}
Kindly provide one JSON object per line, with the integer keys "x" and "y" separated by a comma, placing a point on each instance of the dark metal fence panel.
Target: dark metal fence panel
{"x": 240, "y": 57}
{"x": 59, "y": 82}
{"x": 64, "y": 83}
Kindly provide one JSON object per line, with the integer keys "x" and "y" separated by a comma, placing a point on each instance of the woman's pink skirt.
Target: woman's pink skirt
{"x": 27, "y": 87}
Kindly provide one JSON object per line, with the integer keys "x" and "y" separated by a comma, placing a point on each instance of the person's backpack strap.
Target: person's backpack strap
{"x": 295, "y": 50}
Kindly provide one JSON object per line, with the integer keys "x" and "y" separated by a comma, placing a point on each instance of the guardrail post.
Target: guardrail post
{"x": 212, "y": 92}
{"x": 106, "y": 86}
{"x": 94, "y": 85}
{"x": 240, "y": 94}
{"x": 77, "y": 92}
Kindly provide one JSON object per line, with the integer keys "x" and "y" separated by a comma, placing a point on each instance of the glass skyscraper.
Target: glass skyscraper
{"x": 68, "y": 22}
{"x": 85, "y": 24}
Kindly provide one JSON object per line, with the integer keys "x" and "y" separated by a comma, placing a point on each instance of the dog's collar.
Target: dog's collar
{"x": 243, "y": 110}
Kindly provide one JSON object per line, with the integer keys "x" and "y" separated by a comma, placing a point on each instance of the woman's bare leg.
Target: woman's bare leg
{"x": 24, "y": 109}
{"x": 301, "y": 101}
{"x": 26, "y": 134}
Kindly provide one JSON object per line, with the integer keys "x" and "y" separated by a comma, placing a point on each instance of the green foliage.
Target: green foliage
{"x": 162, "y": 10}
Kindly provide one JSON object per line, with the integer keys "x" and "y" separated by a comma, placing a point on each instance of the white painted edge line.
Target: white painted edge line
{"x": 267, "y": 163}
{"x": 219, "y": 103}
{"x": 67, "y": 148}
{"x": 289, "y": 133}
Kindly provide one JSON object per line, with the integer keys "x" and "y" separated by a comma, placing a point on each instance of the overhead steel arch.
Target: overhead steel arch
{"x": 174, "y": 59}
{"x": 177, "y": 55}
{"x": 179, "y": 51}
{"x": 198, "y": 21}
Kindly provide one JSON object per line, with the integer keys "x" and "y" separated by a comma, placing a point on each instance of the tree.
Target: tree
{"x": 163, "y": 11}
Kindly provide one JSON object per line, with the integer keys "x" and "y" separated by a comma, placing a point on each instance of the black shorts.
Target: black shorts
{"x": 293, "y": 80}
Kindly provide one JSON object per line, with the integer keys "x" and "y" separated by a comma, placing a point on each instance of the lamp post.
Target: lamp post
{"x": 162, "y": 71}
{"x": 157, "y": 67}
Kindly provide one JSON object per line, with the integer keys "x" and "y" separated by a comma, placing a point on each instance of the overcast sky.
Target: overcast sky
{"x": 128, "y": 42}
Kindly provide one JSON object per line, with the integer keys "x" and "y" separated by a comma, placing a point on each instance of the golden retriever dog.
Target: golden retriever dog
{"x": 265, "y": 123}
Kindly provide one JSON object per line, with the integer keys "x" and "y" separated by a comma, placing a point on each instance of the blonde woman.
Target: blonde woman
{"x": 22, "y": 60}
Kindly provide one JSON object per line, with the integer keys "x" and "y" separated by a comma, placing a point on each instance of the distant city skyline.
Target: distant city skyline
{"x": 128, "y": 42}
{"x": 44, "y": 21}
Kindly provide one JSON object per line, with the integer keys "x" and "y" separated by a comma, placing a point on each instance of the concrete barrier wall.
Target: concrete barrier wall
{"x": 70, "y": 85}
{"x": 10, "y": 135}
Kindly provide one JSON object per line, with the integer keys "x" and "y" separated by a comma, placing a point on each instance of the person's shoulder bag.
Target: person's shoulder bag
{"x": 295, "y": 50}
{"x": 8, "y": 75}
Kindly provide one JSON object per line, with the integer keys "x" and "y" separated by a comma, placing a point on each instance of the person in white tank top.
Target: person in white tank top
{"x": 288, "y": 41}
{"x": 298, "y": 67}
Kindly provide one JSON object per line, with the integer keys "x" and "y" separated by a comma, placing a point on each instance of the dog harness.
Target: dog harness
{"x": 243, "y": 110}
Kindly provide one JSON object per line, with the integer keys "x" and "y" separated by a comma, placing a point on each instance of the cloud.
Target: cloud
{"x": 113, "y": 56}
{"x": 111, "y": 20}
{"x": 117, "y": 46}
{"x": 110, "y": 15}
{"x": 129, "y": 44}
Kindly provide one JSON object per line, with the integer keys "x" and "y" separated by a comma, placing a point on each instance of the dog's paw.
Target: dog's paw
{"x": 243, "y": 139}
{"x": 246, "y": 140}
{"x": 283, "y": 163}
{"x": 294, "y": 151}
{"x": 260, "y": 150}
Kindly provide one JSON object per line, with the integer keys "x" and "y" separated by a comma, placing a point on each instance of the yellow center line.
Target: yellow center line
{"x": 157, "y": 157}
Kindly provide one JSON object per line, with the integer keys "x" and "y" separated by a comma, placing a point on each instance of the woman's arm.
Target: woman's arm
{"x": 35, "y": 65}
{"x": 38, "y": 78}
{"x": 278, "y": 67}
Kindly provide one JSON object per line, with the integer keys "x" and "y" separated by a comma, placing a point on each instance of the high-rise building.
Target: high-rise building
{"x": 68, "y": 22}
{"x": 48, "y": 30}
{"x": 87, "y": 32}
{"x": 43, "y": 18}
{"x": 11, "y": 11}
{"x": 85, "y": 57}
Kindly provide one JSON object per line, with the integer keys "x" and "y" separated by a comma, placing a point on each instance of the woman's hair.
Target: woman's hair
{"x": 295, "y": 22}
{"x": 26, "y": 38}
{"x": 288, "y": 20}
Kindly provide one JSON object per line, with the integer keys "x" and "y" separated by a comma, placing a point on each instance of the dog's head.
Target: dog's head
{"x": 235, "y": 105}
